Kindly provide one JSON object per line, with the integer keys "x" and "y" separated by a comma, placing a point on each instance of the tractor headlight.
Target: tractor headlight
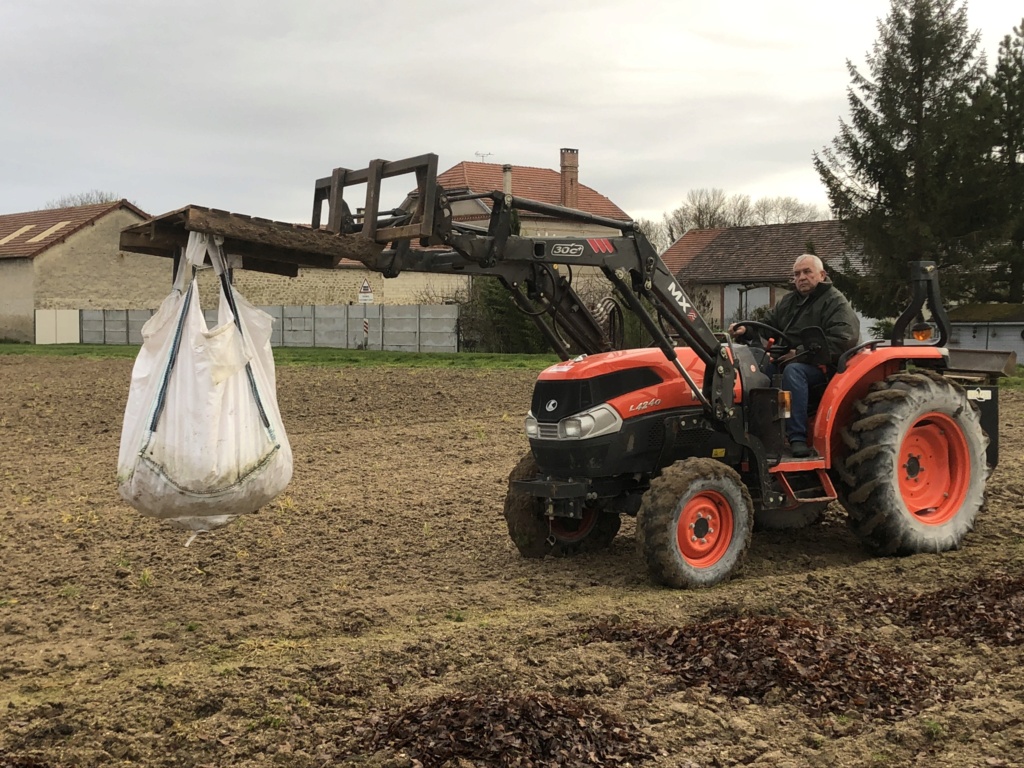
{"x": 601, "y": 420}
{"x": 571, "y": 428}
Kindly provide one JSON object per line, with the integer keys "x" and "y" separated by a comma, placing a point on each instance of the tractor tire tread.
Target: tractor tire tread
{"x": 658, "y": 515}
{"x": 870, "y": 483}
{"x": 530, "y": 530}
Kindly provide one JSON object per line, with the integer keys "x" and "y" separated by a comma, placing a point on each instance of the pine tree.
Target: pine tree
{"x": 1006, "y": 87}
{"x": 906, "y": 174}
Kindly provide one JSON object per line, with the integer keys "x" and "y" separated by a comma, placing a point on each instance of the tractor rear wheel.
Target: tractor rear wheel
{"x": 914, "y": 476}
{"x": 694, "y": 525}
{"x": 535, "y": 536}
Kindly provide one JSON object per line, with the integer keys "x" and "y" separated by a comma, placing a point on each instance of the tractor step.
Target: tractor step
{"x": 820, "y": 488}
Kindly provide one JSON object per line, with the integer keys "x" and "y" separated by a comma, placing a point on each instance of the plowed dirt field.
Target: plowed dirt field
{"x": 377, "y": 614}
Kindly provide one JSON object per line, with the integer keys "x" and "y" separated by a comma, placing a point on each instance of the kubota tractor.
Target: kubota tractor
{"x": 687, "y": 434}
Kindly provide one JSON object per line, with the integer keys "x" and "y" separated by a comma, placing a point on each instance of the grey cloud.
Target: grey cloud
{"x": 242, "y": 105}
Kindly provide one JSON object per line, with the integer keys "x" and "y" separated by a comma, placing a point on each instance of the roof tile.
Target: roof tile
{"x": 26, "y": 235}
{"x": 541, "y": 184}
{"x": 755, "y": 254}
{"x": 686, "y": 248}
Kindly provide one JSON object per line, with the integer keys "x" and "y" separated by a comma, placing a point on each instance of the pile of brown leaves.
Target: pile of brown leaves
{"x": 24, "y": 762}
{"x": 988, "y": 609}
{"x": 507, "y": 730}
{"x": 810, "y": 665}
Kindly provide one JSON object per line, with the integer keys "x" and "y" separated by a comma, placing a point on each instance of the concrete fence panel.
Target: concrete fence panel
{"x": 439, "y": 325}
{"x": 402, "y": 328}
{"x": 136, "y": 319}
{"x": 92, "y": 326}
{"x": 57, "y": 326}
{"x": 364, "y": 326}
{"x": 115, "y": 326}
{"x": 297, "y": 326}
{"x": 277, "y": 334}
{"x": 330, "y": 326}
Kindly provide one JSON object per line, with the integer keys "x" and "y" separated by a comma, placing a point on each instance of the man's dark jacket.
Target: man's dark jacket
{"x": 824, "y": 307}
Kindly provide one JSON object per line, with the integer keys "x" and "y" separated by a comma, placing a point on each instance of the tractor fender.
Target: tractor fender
{"x": 844, "y": 389}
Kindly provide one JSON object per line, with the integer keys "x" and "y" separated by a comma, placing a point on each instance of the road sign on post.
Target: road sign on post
{"x": 365, "y": 292}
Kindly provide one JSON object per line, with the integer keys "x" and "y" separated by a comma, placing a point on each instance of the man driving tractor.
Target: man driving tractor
{"x": 814, "y": 302}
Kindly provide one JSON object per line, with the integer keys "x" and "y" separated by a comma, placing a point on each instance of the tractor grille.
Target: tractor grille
{"x": 656, "y": 435}
{"x": 548, "y": 431}
{"x": 584, "y": 460}
{"x": 692, "y": 438}
{"x": 637, "y": 449}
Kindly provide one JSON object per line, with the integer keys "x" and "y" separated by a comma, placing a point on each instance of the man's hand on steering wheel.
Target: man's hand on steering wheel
{"x": 774, "y": 336}
{"x": 737, "y": 331}
{"x": 808, "y": 345}
{"x": 780, "y": 347}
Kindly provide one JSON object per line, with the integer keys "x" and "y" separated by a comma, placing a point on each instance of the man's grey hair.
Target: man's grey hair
{"x": 818, "y": 263}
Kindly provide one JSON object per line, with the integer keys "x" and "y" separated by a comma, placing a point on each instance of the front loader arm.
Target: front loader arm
{"x": 421, "y": 236}
{"x": 628, "y": 261}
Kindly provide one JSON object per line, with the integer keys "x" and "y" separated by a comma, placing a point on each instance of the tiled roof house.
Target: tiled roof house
{"x": 27, "y": 235}
{"x": 742, "y": 268}
{"x": 545, "y": 185}
{"x": 68, "y": 259}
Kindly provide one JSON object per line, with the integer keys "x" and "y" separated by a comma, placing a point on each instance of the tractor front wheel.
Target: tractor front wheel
{"x": 536, "y": 536}
{"x": 914, "y": 476}
{"x": 694, "y": 524}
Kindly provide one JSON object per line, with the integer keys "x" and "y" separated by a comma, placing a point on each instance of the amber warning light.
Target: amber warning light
{"x": 785, "y": 403}
{"x": 922, "y": 331}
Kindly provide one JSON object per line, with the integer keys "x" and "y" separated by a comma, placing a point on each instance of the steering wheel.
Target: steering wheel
{"x": 782, "y": 342}
{"x": 812, "y": 339}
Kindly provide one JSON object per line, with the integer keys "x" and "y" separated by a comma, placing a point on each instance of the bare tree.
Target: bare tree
{"x": 707, "y": 207}
{"x": 764, "y": 210}
{"x": 712, "y": 208}
{"x": 785, "y": 209}
{"x": 655, "y": 232}
{"x": 91, "y": 197}
{"x": 739, "y": 211}
{"x": 701, "y": 209}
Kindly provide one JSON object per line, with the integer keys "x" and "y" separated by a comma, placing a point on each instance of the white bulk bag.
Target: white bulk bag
{"x": 202, "y": 439}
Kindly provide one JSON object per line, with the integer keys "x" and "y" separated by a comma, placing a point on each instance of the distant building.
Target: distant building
{"x": 997, "y": 327}
{"x": 742, "y": 268}
{"x": 544, "y": 185}
{"x": 68, "y": 259}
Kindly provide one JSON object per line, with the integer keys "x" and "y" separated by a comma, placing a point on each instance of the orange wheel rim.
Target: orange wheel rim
{"x": 934, "y": 469}
{"x": 705, "y": 529}
{"x": 571, "y": 529}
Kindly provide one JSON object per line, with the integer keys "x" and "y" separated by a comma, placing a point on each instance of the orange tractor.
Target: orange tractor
{"x": 686, "y": 434}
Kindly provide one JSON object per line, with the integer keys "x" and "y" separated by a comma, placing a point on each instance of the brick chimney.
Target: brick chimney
{"x": 506, "y": 179}
{"x": 570, "y": 178}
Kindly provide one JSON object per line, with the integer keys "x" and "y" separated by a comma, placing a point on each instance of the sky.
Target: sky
{"x": 242, "y": 104}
